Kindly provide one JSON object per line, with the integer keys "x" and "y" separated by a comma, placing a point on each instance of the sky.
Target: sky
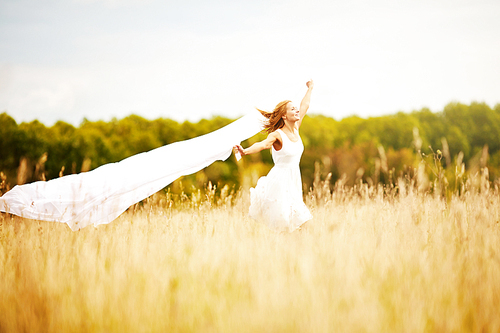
{"x": 186, "y": 60}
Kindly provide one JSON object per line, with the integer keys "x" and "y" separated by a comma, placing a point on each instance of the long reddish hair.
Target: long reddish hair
{"x": 275, "y": 118}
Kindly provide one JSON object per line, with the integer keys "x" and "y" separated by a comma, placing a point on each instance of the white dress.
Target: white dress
{"x": 277, "y": 199}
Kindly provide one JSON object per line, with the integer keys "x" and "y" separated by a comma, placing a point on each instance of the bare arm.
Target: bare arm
{"x": 259, "y": 146}
{"x": 304, "y": 104}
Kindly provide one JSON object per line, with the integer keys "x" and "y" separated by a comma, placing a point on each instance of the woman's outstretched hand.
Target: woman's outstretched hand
{"x": 310, "y": 84}
{"x": 238, "y": 152}
{"x": 239, "y": 149}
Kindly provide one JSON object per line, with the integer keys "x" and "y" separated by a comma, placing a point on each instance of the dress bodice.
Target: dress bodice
{"x": 290, "y": 152}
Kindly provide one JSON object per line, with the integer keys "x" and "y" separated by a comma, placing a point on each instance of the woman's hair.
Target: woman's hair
{"x": 275, "y": 118}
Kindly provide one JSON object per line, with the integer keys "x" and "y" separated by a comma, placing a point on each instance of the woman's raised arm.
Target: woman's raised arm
{"x": 304, "y": 104}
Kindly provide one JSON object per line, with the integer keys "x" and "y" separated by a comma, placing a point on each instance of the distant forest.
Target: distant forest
{"x": 376, "y": 149}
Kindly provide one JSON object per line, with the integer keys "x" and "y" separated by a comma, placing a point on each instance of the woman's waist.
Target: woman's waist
{"x": 288, "y": 165}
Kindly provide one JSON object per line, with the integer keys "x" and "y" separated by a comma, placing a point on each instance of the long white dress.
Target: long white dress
{"x": 277, "y": 199}
{"x": 101, "y": 195}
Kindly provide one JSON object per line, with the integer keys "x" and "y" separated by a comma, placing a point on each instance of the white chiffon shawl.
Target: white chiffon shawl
{"x": 101, "y": 195}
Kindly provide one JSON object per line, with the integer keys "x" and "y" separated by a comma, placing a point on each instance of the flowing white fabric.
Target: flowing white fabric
{"x": 101, "y": 195}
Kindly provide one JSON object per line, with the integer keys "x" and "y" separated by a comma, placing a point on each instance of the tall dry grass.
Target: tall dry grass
{"x": 373, "y": 259}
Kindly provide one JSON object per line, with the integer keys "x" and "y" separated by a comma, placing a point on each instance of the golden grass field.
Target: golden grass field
{"x": 369, "y": 261}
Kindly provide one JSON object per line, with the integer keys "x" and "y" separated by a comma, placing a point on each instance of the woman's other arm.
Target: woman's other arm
{"x": 259, "y": 146}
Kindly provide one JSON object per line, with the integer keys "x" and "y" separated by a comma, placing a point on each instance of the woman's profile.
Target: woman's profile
{"x": 277, "y": 199}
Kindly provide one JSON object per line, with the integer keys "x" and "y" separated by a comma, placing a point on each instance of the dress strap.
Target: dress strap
{"x": 283, "y": 134}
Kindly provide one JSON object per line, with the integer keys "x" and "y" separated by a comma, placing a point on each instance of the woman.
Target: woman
{"x": 277, "y": 198}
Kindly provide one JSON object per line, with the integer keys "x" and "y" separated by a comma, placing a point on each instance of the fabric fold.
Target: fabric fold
{"x": 101, "y": 195}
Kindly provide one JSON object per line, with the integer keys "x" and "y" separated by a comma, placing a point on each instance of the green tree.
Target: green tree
{"x": 10, "y": 141}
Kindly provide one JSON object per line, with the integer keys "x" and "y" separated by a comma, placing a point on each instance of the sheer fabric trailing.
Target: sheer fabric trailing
{"x": 101, "y": 195}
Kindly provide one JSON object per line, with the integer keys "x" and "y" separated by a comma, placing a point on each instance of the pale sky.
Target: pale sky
{"x": 70, "y": 59}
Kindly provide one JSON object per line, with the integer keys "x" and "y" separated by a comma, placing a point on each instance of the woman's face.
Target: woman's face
{"x": 292, "y": 113}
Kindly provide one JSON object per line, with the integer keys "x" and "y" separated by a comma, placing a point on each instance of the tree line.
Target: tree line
{"x": 375, "y": 149}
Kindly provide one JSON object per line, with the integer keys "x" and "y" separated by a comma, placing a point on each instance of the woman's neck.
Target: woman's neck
{"x": 289, "y": 126}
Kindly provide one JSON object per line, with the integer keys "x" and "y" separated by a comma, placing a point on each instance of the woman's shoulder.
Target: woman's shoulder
{"x": 276, "y": 134}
